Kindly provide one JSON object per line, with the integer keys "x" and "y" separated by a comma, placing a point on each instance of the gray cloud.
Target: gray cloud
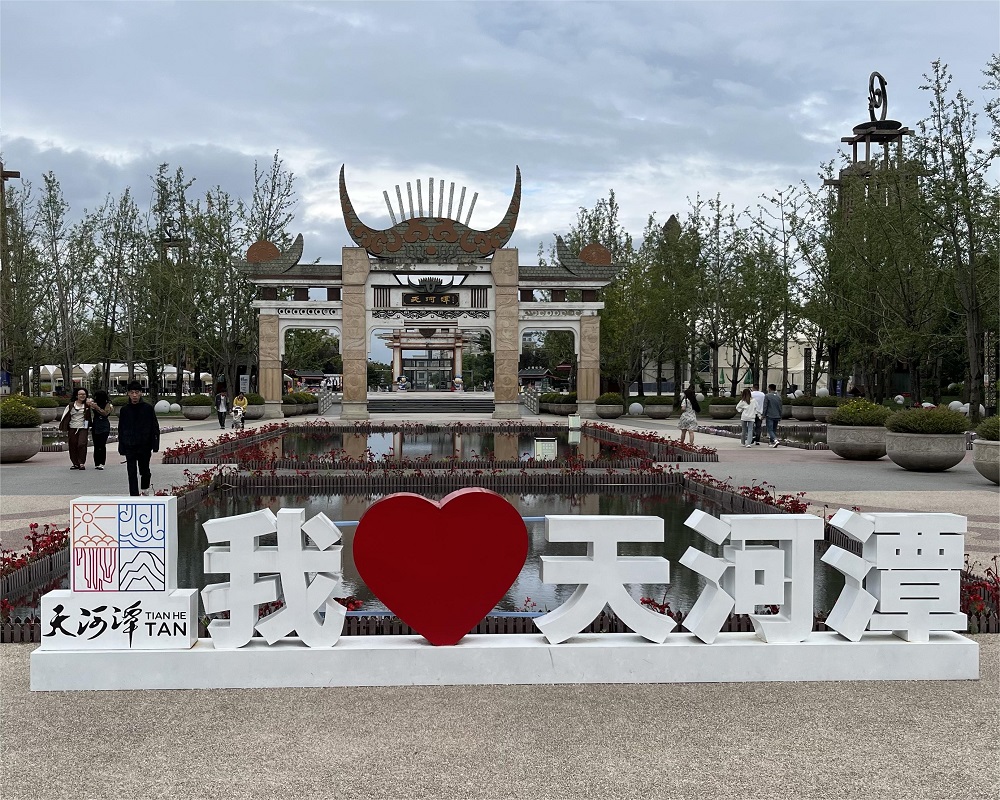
{"x": 659, "y": 101}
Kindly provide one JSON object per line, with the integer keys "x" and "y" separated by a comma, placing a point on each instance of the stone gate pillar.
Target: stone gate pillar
{"x": 354, "y": 341}
{"x": 506, "y": 346}
{"x": 269, "y": 363}
{"x": 588, "y": 380}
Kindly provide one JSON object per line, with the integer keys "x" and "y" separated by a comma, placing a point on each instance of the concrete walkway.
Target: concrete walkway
{"x": 784, "y": 740}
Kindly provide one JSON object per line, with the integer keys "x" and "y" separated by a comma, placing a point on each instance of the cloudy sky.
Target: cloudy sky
{"x": 658, "y": 100}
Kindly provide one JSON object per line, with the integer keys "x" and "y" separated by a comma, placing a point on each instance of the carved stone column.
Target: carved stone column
{"x": 507, "y": 347}
{"x": 354, "y": 342}
{"x": 397, "y": 362}
{"x": 269, "y": 364}
{"x": 588, "y": 381}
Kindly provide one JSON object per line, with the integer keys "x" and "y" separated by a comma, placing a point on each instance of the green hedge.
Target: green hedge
{"x": 658, "y": 400}
{"x": 254, "y": 399}
{"x": 611, "y": 399}
{"x": 927, "y": 420}
{"x": 197, "y": 400}
{"x": 16, "y": 413}
{"x": 43, "y": 402}
{"x": 830, "y": 401}
{"x": 805, "y": 400}
{"x": 721, "y": 401}
{"x": 860, "y": 413}
{"x": 989, "y": 429}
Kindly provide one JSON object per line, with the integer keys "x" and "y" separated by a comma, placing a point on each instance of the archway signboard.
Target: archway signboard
{"x": 432, "y": 275}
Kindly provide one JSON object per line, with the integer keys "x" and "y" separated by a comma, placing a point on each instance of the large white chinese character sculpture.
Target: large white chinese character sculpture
{"x": 914, "y": 588}
{"x": 123, "y": 591}
{"x": 752, "y": 574}
{"x": 245, "y": 559}
{"x": 602, "y": 573}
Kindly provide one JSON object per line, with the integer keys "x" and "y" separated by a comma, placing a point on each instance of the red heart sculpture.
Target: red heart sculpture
{"x": 441, "y": 566}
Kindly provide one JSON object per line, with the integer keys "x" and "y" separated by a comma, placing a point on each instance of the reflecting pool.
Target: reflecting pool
{"x": 673, "y": 506}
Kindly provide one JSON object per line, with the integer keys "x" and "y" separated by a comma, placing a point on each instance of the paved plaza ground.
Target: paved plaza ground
{"x": 779, "y": 740}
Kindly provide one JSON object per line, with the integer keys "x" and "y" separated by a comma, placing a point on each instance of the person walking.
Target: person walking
{"x": 222, "y": 406}
{"x": 758, "y": 398}
{"x": 688, "y": 423}
{"x": 75, "y": 423}
{"x": 101, "y": 411}
{"x": 772, "y": 414}
{"x": 138, "y": 439}
{"x": 747, "y": 410}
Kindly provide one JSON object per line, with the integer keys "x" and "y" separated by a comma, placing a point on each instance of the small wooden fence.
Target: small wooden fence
{"x": 359, "y": 623}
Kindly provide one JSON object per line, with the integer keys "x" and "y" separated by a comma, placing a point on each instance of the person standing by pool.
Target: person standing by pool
{"x": 688, "y": 423}
{"x": 772, "y": 413}
{"x": 747, "y": 410}
{"x": 75, "y": 423}
{"x": 138, "y": 439}
{"x": 101, "y": 411}
{"x": 758, "y": 398}
{"x": 222, "y": 406}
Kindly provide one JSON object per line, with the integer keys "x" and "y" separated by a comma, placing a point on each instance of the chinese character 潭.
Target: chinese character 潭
{"x": 907, "y": 579}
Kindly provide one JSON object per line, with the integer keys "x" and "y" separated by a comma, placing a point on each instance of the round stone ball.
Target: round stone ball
{"x": 699, "y": 397}
{"x": 799, "y": 393}
{"x": 175, "y": 408}
{"x": 161, "y": 407}
{"x": 898, "y": 399}
{"x": 635, "y": 409}
{"x": 965, "y": 409}
{"x": 822, "y": 392}
{"x": 955, "y": 405}
{"x": 927, "y": 405}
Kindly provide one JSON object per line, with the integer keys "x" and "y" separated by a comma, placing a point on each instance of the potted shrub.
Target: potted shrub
{"x": 658, "y": 406}
{"x": 564, "y": 405}
{"x": 610, "y": 405}
{"x": 289, "y": 405}
{"x": 49, "y": 408}
{"x": 856, "y": 430}
{"x": 197, "y": 406}
{"x": 722, "y": 407}
{"x": 986, "y": 449}
{"x": 117, "y": 402}
{"x": 308, "y": 404}
{"x": 22, "y": 433}
{"x": 255, "y": 406}
{"x": 824, "y": 407}
{"x": 926, "y": 439}
{"x": 802, "y": 408}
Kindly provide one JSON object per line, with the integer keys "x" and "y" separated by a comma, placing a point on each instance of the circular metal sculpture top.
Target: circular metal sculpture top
{"x": 260, "y": 252}
{"x": 430, "y": 239}
{"x": 877, "y": 98}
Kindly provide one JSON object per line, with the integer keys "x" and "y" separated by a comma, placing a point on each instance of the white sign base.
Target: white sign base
{"x": 511, "y": 659}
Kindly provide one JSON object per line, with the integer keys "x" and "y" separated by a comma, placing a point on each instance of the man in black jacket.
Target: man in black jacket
{"x": 138, "y": 438}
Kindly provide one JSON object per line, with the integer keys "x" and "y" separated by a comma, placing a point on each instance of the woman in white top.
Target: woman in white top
{"x": 748, "y": 416}
{"x": 75, "y": 423}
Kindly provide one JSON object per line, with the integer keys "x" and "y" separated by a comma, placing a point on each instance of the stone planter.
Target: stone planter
{"x": 856, "y": 442}
{"x": 19, "y": 444}
{"x": 563, "y": 409}
{"x": 803, "y": 413}
{"x": 609, "y": 411}
{"x": 255, "y": 412}
{"x": 823, "y": 413}
{"x": 50, "y": 414}
{"x": 196, "y": 412}
{"x": 925, "y": 452}
{"x": 722, "y": 412}
{"x": 786, "y": 411}
{"x": 657, "y": 411}
{"x": 986, "y": 459}
{"x": 290, "y": 409}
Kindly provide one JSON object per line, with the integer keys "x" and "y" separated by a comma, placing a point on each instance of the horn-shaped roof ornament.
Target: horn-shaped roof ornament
{"x": 431, "y": 239}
